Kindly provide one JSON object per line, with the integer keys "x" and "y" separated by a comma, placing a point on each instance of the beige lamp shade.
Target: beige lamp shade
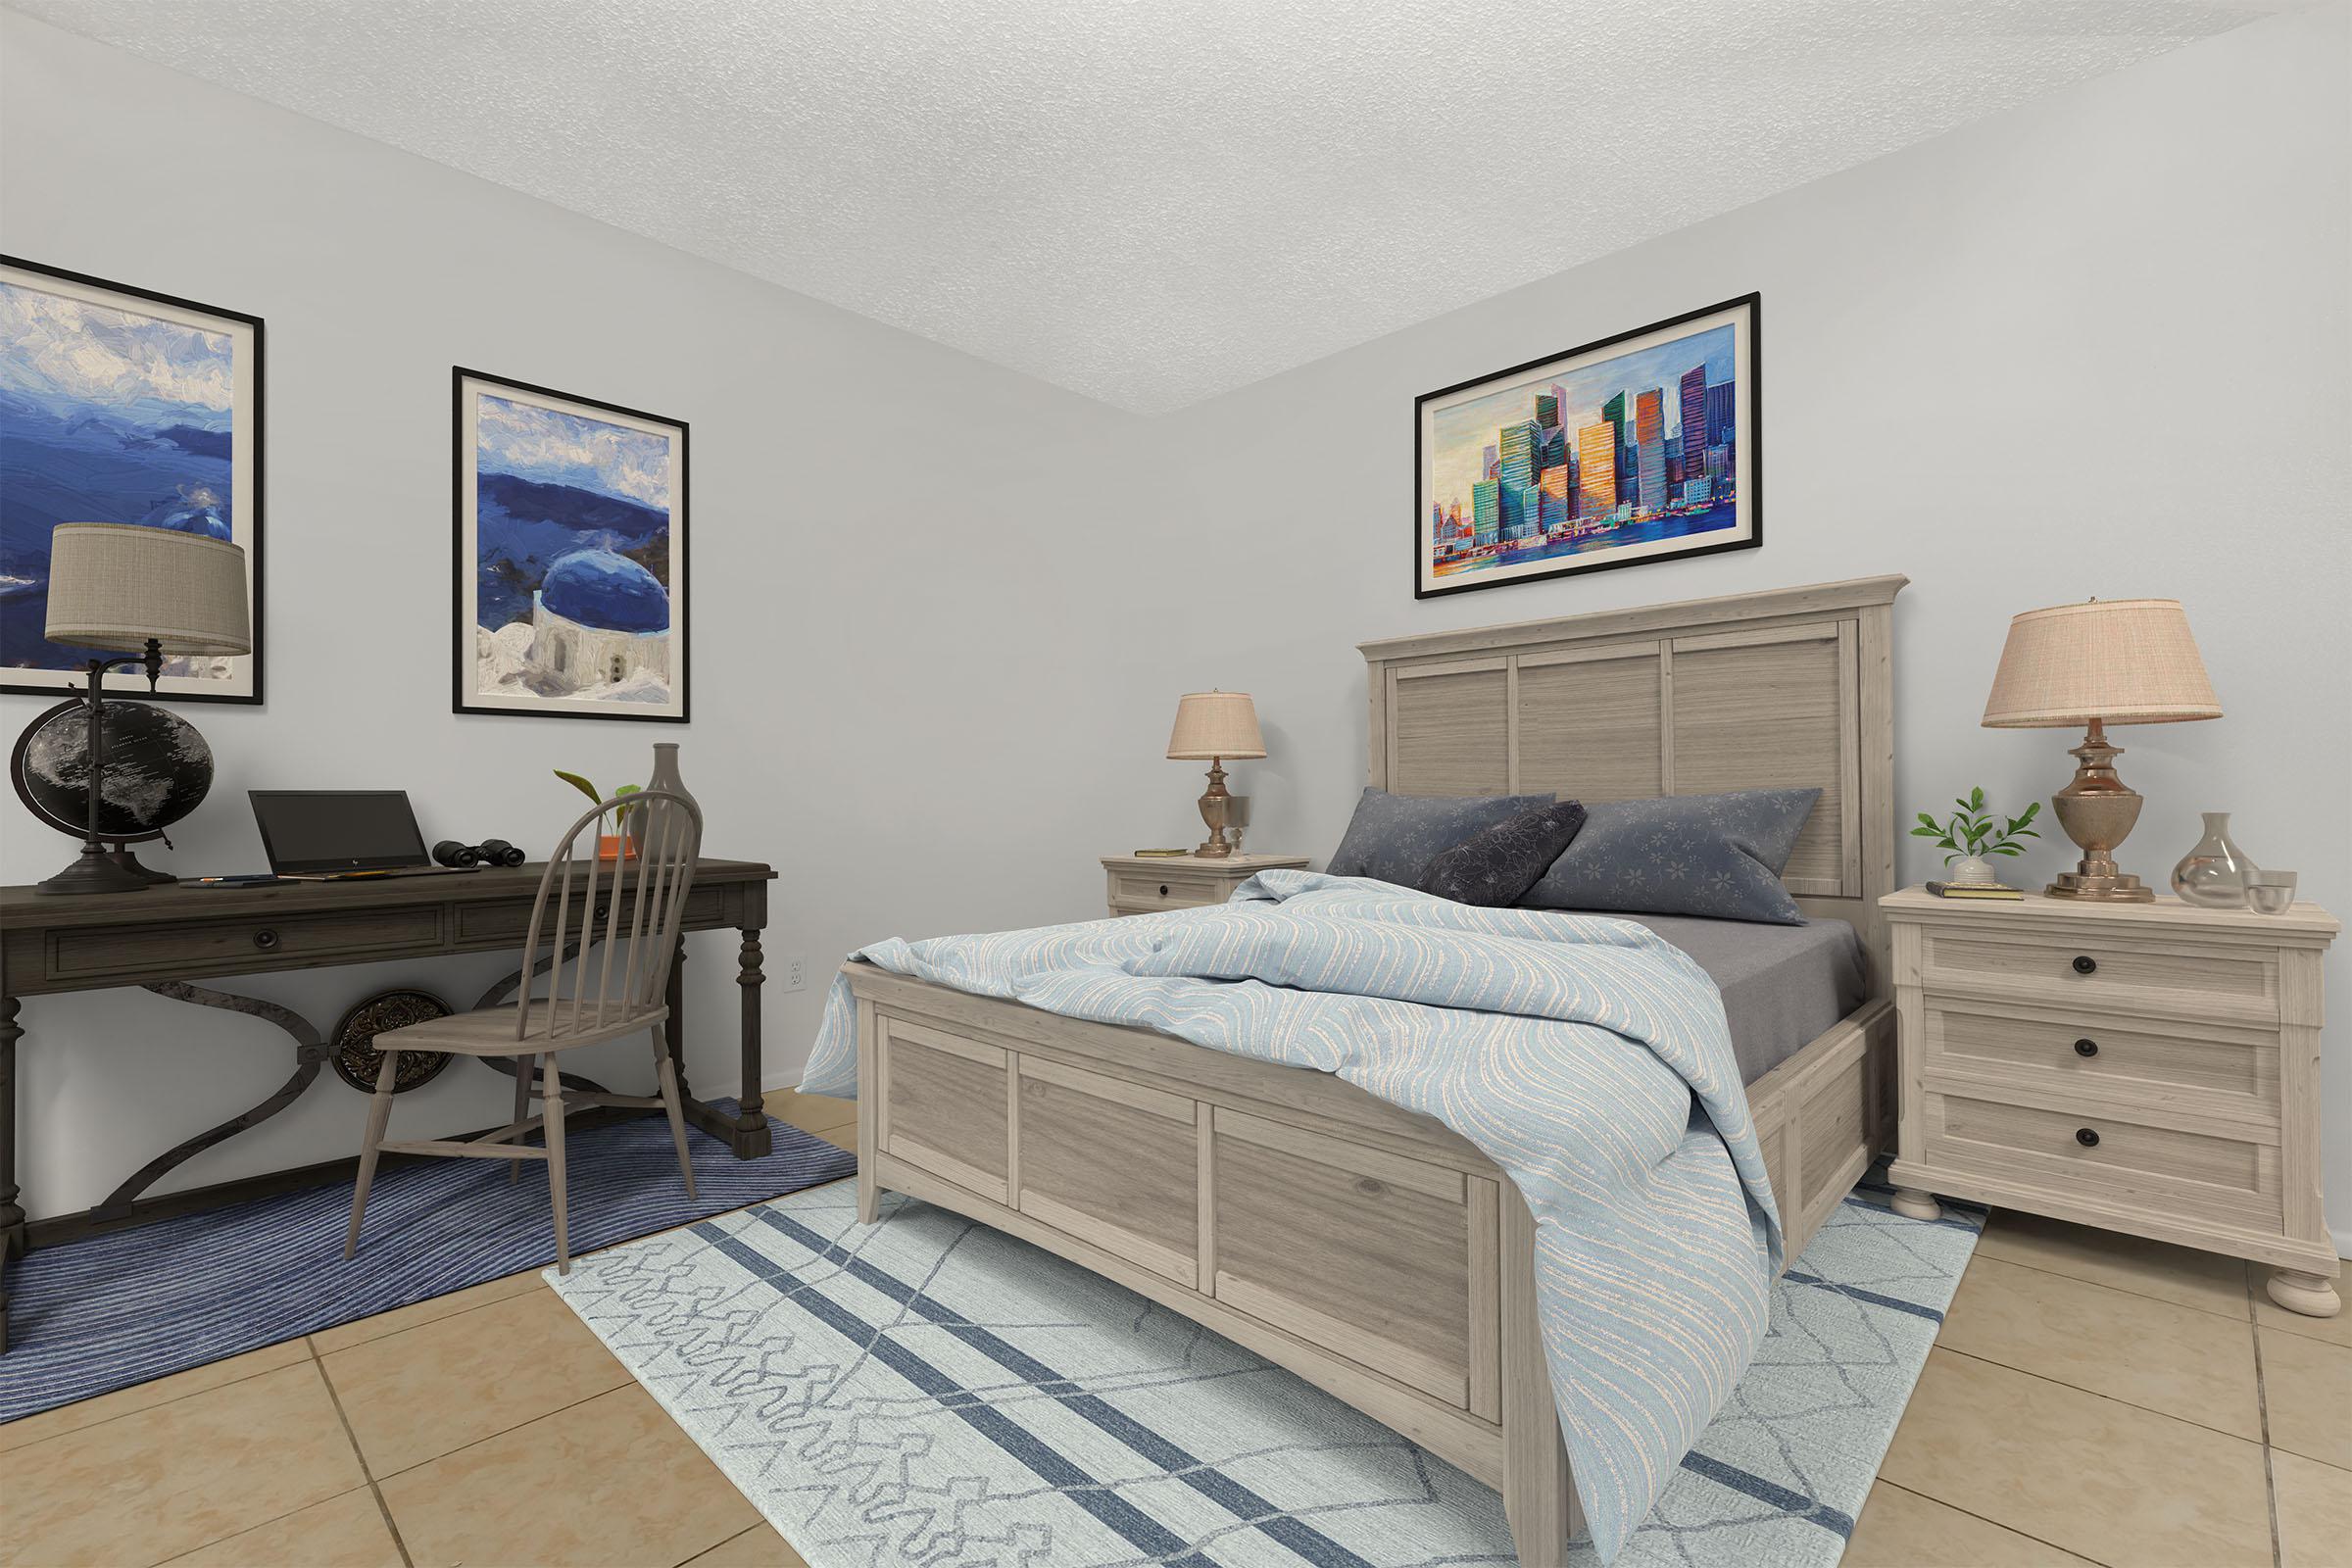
{"x": 1214, "y": 725}
{"x": 2116, "y": 661}
{"x": 116, "y": 587}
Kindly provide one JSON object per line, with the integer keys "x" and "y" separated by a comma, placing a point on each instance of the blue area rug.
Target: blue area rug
{"x": 92, "y": 1317}
{"x": 930, "y": 1390}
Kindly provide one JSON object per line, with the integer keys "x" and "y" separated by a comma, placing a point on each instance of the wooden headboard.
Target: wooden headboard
{"x": 1787, "y": 688}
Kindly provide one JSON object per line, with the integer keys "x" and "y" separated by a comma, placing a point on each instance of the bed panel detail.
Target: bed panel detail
{"x": 1113, "y": 1162}
{"x": 945, "y": 1104}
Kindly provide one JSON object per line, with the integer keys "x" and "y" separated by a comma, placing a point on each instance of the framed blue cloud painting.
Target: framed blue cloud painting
{"x": 572, "y": 556}
{"x": 117, "y": 405}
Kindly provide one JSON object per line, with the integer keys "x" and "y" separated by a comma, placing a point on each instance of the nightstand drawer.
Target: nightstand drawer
{"x": 2122, "y": 1059}
{"x": 2098, "y": 970}
{"x": 2195, "y": 1176}
{"x": 1172, "y": 891}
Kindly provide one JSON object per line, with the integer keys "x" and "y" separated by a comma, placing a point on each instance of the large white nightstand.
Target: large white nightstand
{"x": 2151, "y": 1068}
{"x": 1144, "y": 884}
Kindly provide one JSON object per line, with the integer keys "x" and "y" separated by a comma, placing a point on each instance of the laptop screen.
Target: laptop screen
{"x": 337, "y": 830}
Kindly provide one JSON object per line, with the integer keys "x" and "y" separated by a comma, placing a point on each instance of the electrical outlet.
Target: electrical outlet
{"x": 796, "y": 972}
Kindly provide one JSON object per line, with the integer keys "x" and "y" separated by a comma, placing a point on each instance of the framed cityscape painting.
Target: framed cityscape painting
{"x": 572, "y": 556}
{"x": 117, "y": 405}
{"x": 1639, "y": 447}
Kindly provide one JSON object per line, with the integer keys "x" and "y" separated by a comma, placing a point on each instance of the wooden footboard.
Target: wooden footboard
{"x": 1369, "y": 1249}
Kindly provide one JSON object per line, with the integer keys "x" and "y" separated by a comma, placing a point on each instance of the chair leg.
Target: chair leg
{"x": 666, "y": 1071}
{"x": 552, "y": 1103}
{"x": 379, "y": 1113}
{"x": 524, "y": 1065}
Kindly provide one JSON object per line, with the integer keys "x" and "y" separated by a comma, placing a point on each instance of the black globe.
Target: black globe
{"x": 158, "y": 769}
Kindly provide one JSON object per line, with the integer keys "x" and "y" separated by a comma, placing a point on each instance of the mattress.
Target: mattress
{"x": 1782, "y": 985}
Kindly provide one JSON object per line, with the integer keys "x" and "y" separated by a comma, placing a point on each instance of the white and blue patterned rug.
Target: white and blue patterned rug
{"x": 931, "y": 1390}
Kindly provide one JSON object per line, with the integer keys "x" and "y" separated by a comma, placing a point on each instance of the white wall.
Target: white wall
{"x": 2094, "y": 346}
{"x": 878, "y": 666}
{"x": 2097, "y": 346}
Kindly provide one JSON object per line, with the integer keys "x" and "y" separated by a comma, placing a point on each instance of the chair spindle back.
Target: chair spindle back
{"x": 623, "y": 919}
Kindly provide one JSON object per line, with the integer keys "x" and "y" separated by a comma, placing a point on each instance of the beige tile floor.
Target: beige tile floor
{"x": 2091, "y": 1399}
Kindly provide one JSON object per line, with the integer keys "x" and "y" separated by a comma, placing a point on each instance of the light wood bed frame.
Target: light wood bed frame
{"x": 1367, "y": 1249}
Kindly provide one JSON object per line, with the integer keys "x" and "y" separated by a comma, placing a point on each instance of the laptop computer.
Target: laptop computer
{"x": 338, "y": 835}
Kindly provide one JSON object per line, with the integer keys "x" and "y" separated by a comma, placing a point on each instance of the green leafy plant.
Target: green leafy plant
{"x": 619, "y": 813}
{"x": 1972, "y": 830}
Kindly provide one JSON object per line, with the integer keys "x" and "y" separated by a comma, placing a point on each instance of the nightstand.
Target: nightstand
{"x": 1144, "y": 884}
{"x": 2151, "y": 1068}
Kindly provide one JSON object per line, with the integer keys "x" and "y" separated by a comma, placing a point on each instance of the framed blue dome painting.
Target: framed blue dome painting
{"x": 572, "y": 556}
{"x": 117, "y": 405}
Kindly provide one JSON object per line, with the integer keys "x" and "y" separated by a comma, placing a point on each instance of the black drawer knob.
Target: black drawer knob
{"x": 1163, "y": 890}
{"x": 2087, "y": 1137}
{"x": 266, "y": 940}
{"x": 2086, "y": 1048}
{"x": 2084, "y": 964}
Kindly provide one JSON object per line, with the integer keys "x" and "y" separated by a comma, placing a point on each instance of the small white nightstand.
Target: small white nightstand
{"x": 2152, "y": 1068}
{"x": 1144, "y": 884}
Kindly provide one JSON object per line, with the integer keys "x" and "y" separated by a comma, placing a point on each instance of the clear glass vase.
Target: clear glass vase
{"x": 2214, "y": 874}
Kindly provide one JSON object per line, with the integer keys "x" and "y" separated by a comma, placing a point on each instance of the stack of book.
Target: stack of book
{"x": 1977, "y": 890}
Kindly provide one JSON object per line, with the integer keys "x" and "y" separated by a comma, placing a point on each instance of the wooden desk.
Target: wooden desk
{"x": 170, "y": 936}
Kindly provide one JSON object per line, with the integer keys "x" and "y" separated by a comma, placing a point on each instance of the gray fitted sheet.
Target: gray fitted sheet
{"x": 1782, "y": 985}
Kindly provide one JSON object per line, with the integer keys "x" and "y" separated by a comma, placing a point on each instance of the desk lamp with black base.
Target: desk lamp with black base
{"x": 144, "y": 595}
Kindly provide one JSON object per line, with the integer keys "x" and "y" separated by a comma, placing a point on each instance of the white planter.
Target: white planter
{"x": 1971, "y": 872}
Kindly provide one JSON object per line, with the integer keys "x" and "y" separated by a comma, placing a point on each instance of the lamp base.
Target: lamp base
{"x": 95, "y": 872}
{"x": 1217, "y": 847}
{"x": 2097, "y": 810}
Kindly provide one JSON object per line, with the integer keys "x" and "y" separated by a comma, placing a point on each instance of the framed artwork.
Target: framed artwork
{"x": 1639, "y": 447}
{"x": 571, "y": 595}
{"x": 117, "y": 405}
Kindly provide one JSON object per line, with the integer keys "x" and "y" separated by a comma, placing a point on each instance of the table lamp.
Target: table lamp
{"x": 147, "y": 592}
{"x": 2120, "y": 662}
{"x": 1212, "y": 726}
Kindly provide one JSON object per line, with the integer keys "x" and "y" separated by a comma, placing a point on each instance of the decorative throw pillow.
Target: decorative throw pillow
{"x": 1718, "y": 855}
{"x": 1392, "y": 837}
{"x": 1493, "y": 868}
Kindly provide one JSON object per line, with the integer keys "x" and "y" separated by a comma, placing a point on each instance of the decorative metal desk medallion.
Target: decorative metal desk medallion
{"x": 353, "y": 1044}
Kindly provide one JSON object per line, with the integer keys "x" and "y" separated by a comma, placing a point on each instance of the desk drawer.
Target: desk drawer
{"x": 2096, "y": 970}
{"x": 494, "y": 924}
{"x": 261, "y": 942}
{"x": 2122, "y": 1059}
{"x": 2198, "y": 1177}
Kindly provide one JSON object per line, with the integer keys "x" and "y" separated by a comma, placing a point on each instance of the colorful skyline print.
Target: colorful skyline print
{"x": 1634, "y": 449}
{"x": 570, "y": 536}
{"x": 111, "y": 411}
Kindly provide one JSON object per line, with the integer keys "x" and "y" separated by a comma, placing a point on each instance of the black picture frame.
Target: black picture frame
{"x": 463, "y": 562}
{"x": 249, "y": 520}
{"x": 1746, "y": 313}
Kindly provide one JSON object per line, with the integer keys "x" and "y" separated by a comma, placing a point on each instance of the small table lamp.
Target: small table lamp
{"x": 2124, "y": 662}
{"x": 1211, "y": 726}
{"x": 147, "y": 592}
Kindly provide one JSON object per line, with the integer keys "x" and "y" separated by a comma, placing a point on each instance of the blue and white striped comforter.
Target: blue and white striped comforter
{"x": 1587, "y": 1057}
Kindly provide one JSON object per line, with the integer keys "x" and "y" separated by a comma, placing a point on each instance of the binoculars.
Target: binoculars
{"x": 490, "y": 852}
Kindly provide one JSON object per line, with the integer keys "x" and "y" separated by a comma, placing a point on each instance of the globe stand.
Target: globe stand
{"x": 96, "y": 869}
{"x": 122, "y": 857}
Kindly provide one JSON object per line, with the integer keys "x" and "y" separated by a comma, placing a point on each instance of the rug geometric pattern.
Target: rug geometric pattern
{"x": 928, "y": 1389}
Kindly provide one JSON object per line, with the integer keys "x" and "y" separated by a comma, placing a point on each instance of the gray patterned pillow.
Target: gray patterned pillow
{"x": 1493, "y": 868}
{"x": 1718, "y": 855}
{"x": 1392, "y": 837}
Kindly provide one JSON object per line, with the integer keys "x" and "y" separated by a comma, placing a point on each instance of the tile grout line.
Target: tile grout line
{"x": 108, "y": 1420}
{"x": 1989, "y": 1519}
{"x": 730, "y": 1541}
{"x": 2261, "y": 1412}
{"x": 353, "y": 1438}
{"x": 2120, "y": 1289}
{"x": 2111, "y": 1399}
{"x": 628, "y": 1381}
{"x": 261, "y": 1524}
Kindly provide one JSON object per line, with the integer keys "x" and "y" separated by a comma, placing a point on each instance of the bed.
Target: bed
{"x": 1372, "y": 1250}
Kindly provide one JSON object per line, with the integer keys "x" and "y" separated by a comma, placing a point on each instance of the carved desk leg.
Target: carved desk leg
{"x": 12, "y": 1213}
{"x": 752, "y": 1137}
{"x": 675, "y": 997}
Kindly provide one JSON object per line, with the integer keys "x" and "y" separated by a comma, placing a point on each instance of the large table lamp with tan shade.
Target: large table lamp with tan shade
{"x": 1213, "y": 727}
{"x": 144, "y": 595}
{"x": 2090, "y": 665}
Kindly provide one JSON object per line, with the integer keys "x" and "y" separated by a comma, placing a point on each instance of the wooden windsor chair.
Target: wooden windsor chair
{"x": 607, "y": 985}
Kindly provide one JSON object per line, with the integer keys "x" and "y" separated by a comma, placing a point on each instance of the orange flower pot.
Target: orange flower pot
{"x": 616, "y": 847}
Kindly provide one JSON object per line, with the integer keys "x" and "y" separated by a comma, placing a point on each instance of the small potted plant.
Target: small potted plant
{"x": 621, "y": 846}
{"x": 1972, "y": 838}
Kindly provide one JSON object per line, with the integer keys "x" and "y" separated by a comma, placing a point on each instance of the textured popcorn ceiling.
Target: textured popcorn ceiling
{"x": 1148, "y": 202}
